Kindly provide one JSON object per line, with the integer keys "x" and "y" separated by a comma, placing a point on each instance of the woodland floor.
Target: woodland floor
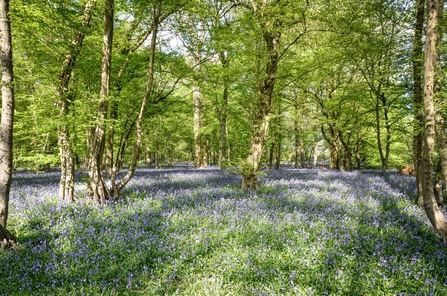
{"x": 195, "y": 232}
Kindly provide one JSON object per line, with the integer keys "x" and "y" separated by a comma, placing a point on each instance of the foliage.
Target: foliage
{"x": 326, "y": 77}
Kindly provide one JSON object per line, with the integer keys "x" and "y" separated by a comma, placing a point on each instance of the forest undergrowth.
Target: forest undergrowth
{"x": 195, "y": 232}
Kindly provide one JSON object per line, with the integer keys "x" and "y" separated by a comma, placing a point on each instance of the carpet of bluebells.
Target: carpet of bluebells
{"x": 195, "y": 232}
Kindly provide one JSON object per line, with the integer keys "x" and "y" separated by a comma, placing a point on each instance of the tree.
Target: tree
{"x": 418, "y": 95}
{"x": 97, "y": 186}
{"x": 157, "y": 18}
{"x": 7, "y": 121}
{"x": 432, "y": 68}
{"x": 66, "y": 187}
{"x": 271, "y": 19}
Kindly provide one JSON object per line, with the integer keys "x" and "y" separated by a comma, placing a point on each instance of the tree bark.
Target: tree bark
{"x": 7, "y": 119}
{"x": 418, "y": 95}
{"x": 431, "y": 88}
{"x": 66, "y": 184}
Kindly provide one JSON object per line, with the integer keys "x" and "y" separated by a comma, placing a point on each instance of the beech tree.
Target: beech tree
{"x": 65, "y": 99}
{"x": 271, "y": 19}
{"x": 97, "y": 186}
{"x": 432, "y": 86}
{"x": 7, "y": 121}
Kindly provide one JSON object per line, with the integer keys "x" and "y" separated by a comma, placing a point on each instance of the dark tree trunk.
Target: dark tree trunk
{"x": 381, "y": 103}
{"x": 223, "y": 112}
{"x": 418, "y": 95}
{"x": 7, "y": 119}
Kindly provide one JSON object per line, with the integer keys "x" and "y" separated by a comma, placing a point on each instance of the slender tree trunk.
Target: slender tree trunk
{"x": 99, "y": 190}
{"x": 156, "y": 148}
{"x": 388, "y": 140}
{"x": 278, "y": 139}
{"x": 66, "y": 184}
{"x": 418, "y": 95}
{"x": 7, "y": 122}
{"x": 431, "y": 88}
{"x": 223, "y": 112}
{"x": 379, "y": 134}
{"x": 223, "y": 130}
{"x": 316, "y": 153}
{"x": 297, "y": 143}
{"x": 197, "y": 106}
{"x": 278, "y": 153}
{"x": 358, "y": 158}
{"x": 139, "y": 122}
{"x": 271, "y": 155}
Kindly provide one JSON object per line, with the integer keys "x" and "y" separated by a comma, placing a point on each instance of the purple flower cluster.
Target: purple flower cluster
{"x": 317, "y": 232}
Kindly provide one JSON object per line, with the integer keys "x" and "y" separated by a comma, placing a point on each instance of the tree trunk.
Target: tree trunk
{"x": 431, "y": 89}
{"x": 7, "y": 239}
{"x": 97, "y": 186}
{"x": 262, "y": 113}
{"x": 316, "y": 153}
{"x": 383, "y": 156}
{"x": 297, "y": 144}
{"x": 278, "y": 153}
{"x": 438, "y": 184}
{"x": 388, "y": 140}
{"x": 252, "y": 164}
{"x": 418, "y": 95}
{"x": 271, "y": 155}
{"x": 442, "y": 152}
{"x": 139, "y": 122}
{"x": 109, "y": 155}
{"x": 197, "y": 106}
{"x": 223, "y": 112}
{"x": 66, "y": 184}
{"x": 7, "y": 120}
{"x": 278, "y": 140}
